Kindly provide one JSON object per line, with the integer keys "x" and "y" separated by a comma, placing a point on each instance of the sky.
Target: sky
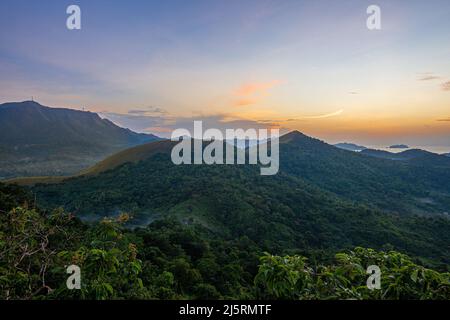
{"x": 312, "y": 65}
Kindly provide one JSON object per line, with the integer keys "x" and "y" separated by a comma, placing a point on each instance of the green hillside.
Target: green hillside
{"x": 324, "y": 199}
{"x": 40, "y": 141}
{"x": 418, "y": 185}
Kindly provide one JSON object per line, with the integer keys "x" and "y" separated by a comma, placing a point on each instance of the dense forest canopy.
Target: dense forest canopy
{"x": 171, "y": 260}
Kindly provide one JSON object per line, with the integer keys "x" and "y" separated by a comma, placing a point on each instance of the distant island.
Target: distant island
{"x": 350, "y": 146}
{"x": 399, "y": 146}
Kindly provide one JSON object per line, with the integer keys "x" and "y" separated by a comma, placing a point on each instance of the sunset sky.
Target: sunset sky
{"x": 311, "y": 65}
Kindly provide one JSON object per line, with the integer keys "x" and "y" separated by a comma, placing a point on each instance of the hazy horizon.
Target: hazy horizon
{"x": 439, "y": 149}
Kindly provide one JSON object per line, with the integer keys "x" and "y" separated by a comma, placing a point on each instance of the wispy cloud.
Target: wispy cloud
{"x": 252, "y": 93}
{"x": 319, "y": 116}
{"x": 249, "y": 89}
{"x": 444, "y": 120}
{"x": 327, "y": 115}
{"x": 139, "y": 119}
{"x": 147, "y": 111}
{"x": 163, "y": 125}
{"x": 135, "y": 122}
{"x": 428, "y": 76}
{"x": 445, "y": 86}
{"x": 303, "y": 118}
{"x": 246, "y": 102}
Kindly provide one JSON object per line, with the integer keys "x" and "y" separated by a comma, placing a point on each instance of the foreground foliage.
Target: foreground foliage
{"x": 290, "y": 277}
{"x": 173, "y": 260}
{"x": 170, "y": 261}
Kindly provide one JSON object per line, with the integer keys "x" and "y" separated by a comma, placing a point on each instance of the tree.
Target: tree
{"x": 290, "y": 278}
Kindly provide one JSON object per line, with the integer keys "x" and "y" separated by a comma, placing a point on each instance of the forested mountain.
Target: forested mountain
{"x": 323, "y": 199}
{"x": 382, "y": 154}
{"x": 410, "y": 154}
{"x": 36, "y": 140}
{"x": 419, "y": 185}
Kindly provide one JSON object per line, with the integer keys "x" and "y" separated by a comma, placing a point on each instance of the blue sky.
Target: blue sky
{"x": 306, "y": 65}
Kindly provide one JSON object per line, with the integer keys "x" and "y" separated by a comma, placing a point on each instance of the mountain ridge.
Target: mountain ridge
{"x": 366, "y": 178}
{"x": 304, "y": 206}
{"x": 40, "y": 140}
{"x": 350, "y": 175}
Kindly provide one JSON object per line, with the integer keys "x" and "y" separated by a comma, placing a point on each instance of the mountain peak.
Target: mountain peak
{"x": 295, "y": 133}
{"x": 30, "y": 102}
{"x": 292, "y": 136}
{"x": 26, "y": 103}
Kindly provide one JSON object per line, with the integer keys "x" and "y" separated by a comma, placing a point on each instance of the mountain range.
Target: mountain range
{"x": 323, "y": 198}
{"x": 411, "y": 155}
{"x": 399, "y": 146}
{"x": 39, "y": 140}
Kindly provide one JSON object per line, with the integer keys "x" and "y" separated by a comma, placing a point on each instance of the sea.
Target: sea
{"x": 434, "y": 149}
